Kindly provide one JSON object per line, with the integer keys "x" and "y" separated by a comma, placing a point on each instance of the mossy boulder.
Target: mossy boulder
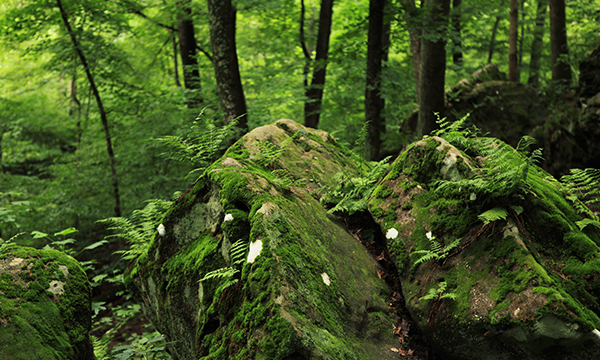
{"x": 302, "y": 287}
{"x": 491, "y": 260}
{"x": 45, "y": 306}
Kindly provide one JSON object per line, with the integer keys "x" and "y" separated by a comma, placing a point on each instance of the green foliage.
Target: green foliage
{"x": 230, "y": 274}
{"x": 439, "y": 293}
{"x": 352, "y": 193}
{"x": 7, "y": 244}
{"x": 201, "y": 146}
{"x": 583, "y": 190}
{"x": 150, "y": 345}
{"x": 436, "y": 251}
{"x": 139, "y": 230}
{"x": 504, "y": 171}
{"x": 493, "y": 215}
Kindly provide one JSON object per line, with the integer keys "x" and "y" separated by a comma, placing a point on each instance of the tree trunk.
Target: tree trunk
{"x": 433, "y": 67}
{"x": 561, "y": 70}
{"x": 75, "y": 104}
{"x": 537, "y": 44}
{"x": 187, "y": 50}
{"x": 221, "y": 20}
{"x": 513, "y": 67}
{"x": 305, "y": 51}
{"x": 522, "y": 37}
{"x": 175, "y": 65}
{"x": 314, "y": 93}
{"x": 493, "y": 39}
{"x": 103, "y": 118}
{"x": 414, "y": 33}
{"x": 457, "y": 55}
{"x": 373, "y": 100}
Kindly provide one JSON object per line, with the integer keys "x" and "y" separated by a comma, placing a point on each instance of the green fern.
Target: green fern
{"x": 436, "y": 251}
{"x": 140, "y": 229}
{"x": 201, "y": 146}
{"x": 583, "y": 190}
{"x": 504, "y": 172}
{"x": 493, "y": 215}
{"x": 237, "y": 254}
{"x": 438, "y": 293}
{"x": 5, "y": 245}
{"x": 352, "y": 194}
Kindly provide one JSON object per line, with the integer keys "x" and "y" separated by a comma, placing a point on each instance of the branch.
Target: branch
{"x": 204, "y": 52}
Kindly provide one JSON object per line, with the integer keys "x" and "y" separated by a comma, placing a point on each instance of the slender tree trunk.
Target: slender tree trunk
{"x": 513, "y": 68}
{"x": 307, "y": 56}
{"x": 433, "y": 67}
{"x": 373, "y": 99}
{"x": 221, "y": 20}
{"x": 561, "y": 70}
{"x": 522, "y": 37}
{"x": 1, "y": 159}
{"x": 175, "y": 62}
{"x": 103, "y": 118}
{"x": 457, "y": 55}
{"x": 74, "y": 104}
{"x": 314, "y": 93}
{"x": 187, "y": 50}
{"x": 414, "y": 33}
{"x": 537, "y": 44}
{"x": 492, "y": 47}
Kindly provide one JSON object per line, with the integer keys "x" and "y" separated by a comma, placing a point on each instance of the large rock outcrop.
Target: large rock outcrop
{"x": 492, "y": 262}
{"x": 248, "y": 265}
{"x": 45, "y": 306}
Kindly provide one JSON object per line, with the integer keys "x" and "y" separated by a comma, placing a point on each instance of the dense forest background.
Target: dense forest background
{"x": 90, "y": 90}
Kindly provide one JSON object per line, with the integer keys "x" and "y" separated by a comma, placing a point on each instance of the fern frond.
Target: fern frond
{"x": 139, "y": 229}
{"x": 201, "y": 146}
{"x": 427, "y": 256}
{"x": 493, "y": 215}
{"x": 221, "y": 273}
{"x": 237, "y": 252}
{"x": 583, "y": 189}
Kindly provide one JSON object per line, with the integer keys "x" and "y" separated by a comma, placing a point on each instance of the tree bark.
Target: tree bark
{"x": 561, "y": 70}
{"x": 513, "y": 35}
{"x": 522, "y": 37}
{"x": 433, "y": 67}
{"x": 457, "y": 55}
{"x": 175, "y": 65}
{"x": 103, "y": 118}
{"x": 221, "y": 20}
{"x": 373, "y": 99}
{"x": 187, "y": 50}
{"x": 314, "y": 93}
{"x": 305, "y": 52}
{"x": 414, "y": 33}
{"x": 493, "y": 39}
{"x": 537, "y": 44}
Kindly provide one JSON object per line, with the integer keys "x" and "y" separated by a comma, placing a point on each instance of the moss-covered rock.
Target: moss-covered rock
{"x": 492, "y": 263}
{"x": 305, "y": 288}
{"x": 45, "y": 306}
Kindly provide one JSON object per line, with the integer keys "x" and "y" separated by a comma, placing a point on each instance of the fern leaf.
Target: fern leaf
{"x": 585, "y": 222}
{"x": 493, "y": 215}
{"x": 221, "y": 273}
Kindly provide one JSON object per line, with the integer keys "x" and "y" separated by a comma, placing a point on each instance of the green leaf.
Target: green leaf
{"x": 95, "y": 245}
{"x": 66, "y": 232}
{"x": 493, "y": 215}
{"x": 38, "y": 234}
{"x": 585, "y": 222}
